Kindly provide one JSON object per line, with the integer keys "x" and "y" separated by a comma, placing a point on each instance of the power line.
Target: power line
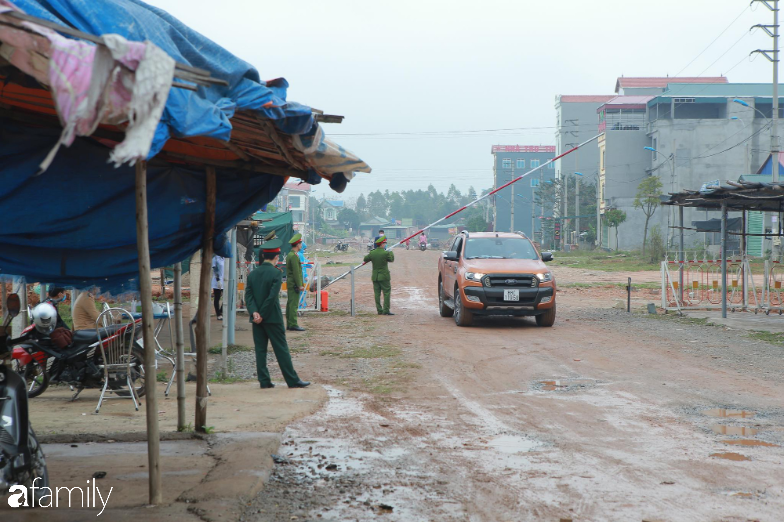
{"x": 714, "y": 40}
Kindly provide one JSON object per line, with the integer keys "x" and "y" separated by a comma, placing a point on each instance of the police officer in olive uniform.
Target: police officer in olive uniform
{"x": 294, "y": 283}
{"x": 382, "y": 280}
{"x": 262, "y": 298}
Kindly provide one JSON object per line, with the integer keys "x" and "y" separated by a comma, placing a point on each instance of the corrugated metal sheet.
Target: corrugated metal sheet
{"x": 654, "y": 81}
{"x": 756, "y": 225}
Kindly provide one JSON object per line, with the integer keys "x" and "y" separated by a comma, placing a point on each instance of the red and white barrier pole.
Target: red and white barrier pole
{"x": 474, "y": 202}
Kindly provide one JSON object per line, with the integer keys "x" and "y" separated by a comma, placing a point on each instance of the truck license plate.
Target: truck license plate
{"x": 511, "y": 295}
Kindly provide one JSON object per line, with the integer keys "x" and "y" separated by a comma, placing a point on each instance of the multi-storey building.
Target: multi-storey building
{"x": 509, "y": 162}
{"x": 700, "y": 132}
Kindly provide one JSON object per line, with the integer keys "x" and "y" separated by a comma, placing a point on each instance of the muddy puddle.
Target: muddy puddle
{"x": 730, "y": 456}
{"x": 564, "y": 384}
{"x": 736, "y": 431}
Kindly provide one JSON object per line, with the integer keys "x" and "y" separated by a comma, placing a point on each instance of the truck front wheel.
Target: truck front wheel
{"x": 547, "y": 318}
{"x": 463, "y": 316}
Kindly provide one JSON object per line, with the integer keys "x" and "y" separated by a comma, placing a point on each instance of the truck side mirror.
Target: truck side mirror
{"x": 547, "y": 256}
{"x": 451, "y": 255}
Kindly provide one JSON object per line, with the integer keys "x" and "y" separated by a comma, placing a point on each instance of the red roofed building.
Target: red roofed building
{"x": 656, "y": 84}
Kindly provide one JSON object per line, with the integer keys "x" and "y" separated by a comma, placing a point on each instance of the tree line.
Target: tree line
{"x": 422, "y": 207}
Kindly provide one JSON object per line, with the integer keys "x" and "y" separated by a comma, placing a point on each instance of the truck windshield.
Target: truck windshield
{"x": 499, "y": 248}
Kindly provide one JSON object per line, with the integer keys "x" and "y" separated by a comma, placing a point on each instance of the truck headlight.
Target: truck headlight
{"x": 474, "y": 276}
{"x": 545, "y": 277}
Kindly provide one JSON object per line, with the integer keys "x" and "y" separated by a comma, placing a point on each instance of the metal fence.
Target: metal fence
{"x": 697, "y": 285}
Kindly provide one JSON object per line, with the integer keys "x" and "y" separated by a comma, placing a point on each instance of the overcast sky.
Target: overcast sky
{"x": 455, "y": 67}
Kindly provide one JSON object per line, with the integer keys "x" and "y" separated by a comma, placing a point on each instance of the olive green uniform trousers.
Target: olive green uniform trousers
{"x": 263, "y": 334}
{"x": 386, "y": 287}
{"x": 292, "y": 304}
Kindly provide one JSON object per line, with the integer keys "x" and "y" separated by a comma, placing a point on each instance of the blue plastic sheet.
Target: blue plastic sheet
{"x": 75, "y": 223}
{"x": 202, "y": 113}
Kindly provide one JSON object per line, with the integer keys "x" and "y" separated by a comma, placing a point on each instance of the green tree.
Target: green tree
{"x": 647, "y": 199}
{"x": 476, "y": 223}
{"x": 614, "y": 219}
{"x": 377, "y": 204}
{"x": 350, "y": 218}
{"x": 361, "y": 203}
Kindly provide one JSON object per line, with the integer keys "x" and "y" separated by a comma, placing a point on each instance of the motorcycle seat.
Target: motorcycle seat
{"x": 91, "y": 336}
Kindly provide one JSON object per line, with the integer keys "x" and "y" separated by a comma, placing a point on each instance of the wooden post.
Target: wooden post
{"x": 180, "y": 347}
{"x": 203, "y": 314}
{"x": 145, "y": 291}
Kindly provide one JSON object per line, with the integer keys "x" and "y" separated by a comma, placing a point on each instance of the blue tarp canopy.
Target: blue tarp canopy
{"x": 75, "y": 223}
{"x": 202, "y": 113}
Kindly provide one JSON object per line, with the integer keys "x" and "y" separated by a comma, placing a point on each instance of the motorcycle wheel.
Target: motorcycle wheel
{"x": 35, "y": 376}
{"x": 120, "y": 387}
{"x": 37, "y": 475}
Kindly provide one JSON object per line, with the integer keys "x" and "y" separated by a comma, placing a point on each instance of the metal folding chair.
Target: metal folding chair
{"x": 117, "y": 359}
{"x": 190, "y": 355}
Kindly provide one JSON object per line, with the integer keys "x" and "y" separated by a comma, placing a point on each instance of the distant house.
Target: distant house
{"x": 294, "y": 197}
{"x": 329, "y": 213}
{"x": 371, "y": 227}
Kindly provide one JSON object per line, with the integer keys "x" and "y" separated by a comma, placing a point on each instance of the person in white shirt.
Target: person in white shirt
{"x": 217, "y": 285}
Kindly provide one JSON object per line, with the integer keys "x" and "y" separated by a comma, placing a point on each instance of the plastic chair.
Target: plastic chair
{"x": 117, "y": 359}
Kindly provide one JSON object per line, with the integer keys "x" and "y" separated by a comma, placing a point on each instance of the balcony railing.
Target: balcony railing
{"x": 622, "y": 122}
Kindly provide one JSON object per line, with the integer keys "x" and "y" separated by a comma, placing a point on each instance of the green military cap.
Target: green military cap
{"x": 272, "y": 246}
{"x": 296, "y": 239}
{"x": 270, "y": 236}
{"x": 380, "y": 240}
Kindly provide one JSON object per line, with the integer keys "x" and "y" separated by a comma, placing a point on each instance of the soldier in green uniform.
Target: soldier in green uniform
{"x": 294, "y": 283}
{"x": 382, "y": 280}
{"x": 262, "y": 298}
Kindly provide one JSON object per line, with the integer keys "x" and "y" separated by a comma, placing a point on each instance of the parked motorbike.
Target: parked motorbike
{"x": 341, "y": 247}
{"x": 78, "y": 364}
{"x": 31, "y": 366}
{"x": 22, "y": 461}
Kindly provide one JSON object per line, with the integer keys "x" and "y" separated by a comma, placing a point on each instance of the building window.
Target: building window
{"x": 521, "y": 164}
{"x": 551, "y": 166}
{"x": 534, "y": 182}
{"x": 534, "y": 164}
{"x": 298, "y": 216}
{"x": 506, "y": 163}
{"x": 293, "y": 201}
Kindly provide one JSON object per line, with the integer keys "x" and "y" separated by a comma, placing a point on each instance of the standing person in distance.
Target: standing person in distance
{"x": 382, "y": 279}
{"x": 294, "y": 283}
{"x": 262, "y": 298}
{"x": 217, "y": 285}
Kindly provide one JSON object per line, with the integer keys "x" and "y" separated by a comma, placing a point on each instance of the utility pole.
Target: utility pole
{"x": 773, "y": 57}
{"x": 512, "y": 203}
{"x": 495, "y": 186}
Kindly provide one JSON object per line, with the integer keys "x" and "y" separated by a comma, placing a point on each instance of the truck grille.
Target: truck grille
{"x": 511, "y": 280}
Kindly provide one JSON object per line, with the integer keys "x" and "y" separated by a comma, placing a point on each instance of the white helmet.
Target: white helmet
{"x": 45, "y": 318}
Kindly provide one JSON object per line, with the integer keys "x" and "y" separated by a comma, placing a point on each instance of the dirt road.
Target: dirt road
{"x": 605, "y": 416}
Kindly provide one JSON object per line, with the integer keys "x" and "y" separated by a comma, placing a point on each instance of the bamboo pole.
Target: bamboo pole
{"x": 180, "y": 347}
{"x": 145, "y": 290}
{"x": 203, "y": 313}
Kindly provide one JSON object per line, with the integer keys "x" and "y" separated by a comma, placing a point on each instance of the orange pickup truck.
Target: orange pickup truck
{"x": 495, "y": 273}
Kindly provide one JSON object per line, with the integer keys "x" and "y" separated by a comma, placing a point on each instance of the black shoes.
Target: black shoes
{"x": 296, "y": 328}
{"x": 389, "y": 313}
{"x": 270, "y": 385}
{"x": 300, "y": 384}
